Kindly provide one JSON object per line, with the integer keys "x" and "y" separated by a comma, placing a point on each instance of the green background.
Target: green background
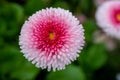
{"x": 95, "y": 61}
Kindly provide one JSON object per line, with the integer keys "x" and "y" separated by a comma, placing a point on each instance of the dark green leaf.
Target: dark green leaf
{"x": 89, "y": 26}
{"x": 70, "y": 73}
{"x": 34, "y": 5}
{"x": 94, "y": 57}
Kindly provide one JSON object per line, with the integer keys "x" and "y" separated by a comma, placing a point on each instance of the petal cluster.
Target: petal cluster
{"x": 51, "y": 38}
{"x": 108, "y": 18}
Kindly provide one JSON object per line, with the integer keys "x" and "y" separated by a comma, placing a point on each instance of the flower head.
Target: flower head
{"x": 51, "y": 38}
{"x": 108, "y": 18}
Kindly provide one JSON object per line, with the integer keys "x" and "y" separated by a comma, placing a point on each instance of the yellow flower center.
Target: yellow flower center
{"x": 118, "y": 17}
{"x": 51, "y": 36}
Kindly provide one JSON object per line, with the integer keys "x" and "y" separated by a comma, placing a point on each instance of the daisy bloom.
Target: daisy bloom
{"x": 51, "y": 38}
{"x": 108, "y": 18}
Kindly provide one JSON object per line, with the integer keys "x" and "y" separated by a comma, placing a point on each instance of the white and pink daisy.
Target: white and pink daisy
{"x": 108, "y": 18}
{"x": 51, "y": 38}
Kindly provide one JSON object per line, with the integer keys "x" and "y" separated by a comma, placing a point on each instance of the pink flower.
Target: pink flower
{"x": 108, "y": 18}
{"x": 51, "y": 38}
{"x": 99, "y": 2}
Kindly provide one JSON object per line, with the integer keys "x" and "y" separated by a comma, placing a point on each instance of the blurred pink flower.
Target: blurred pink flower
{"x": 108, "y": 18}
{"x": 51, "y": 38}
{"x": 99, "y": 2}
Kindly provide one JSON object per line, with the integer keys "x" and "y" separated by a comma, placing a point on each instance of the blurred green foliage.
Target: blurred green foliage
{"x": 93, "y": 58}
{"x": 70, "y": 73}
